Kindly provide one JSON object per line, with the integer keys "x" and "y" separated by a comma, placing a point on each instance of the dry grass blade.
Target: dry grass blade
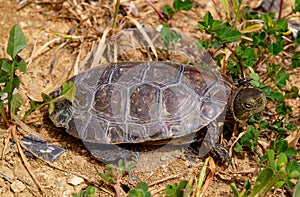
{"x": 209, "y": 178}
{"x": 42, "y": 49}
{"x": 202, "y": 177}
{"x": 32, "y": 53}
{"x": 147, "y": 38}
{"x": 235, "y": 141}
{"x": 165, "y": 179}
{"x": 76, "y": 65}
{"x": 161, "y": 16}
{"x": 100, "y": 49}
{"x": 6, "y": 141}
{"x": 293, "y": 139}
{"x": 25, "y": 129}
{"x": 13, "y": 131}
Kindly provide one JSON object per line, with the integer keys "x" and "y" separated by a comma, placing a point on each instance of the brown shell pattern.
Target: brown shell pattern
{"x": 134, "y": 102}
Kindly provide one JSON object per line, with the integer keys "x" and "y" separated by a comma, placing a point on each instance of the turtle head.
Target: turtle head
{"x": 246, "y": 102}
{"x": 61, "y": 113}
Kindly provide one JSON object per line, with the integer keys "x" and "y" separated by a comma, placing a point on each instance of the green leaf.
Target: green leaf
{"x": 16, "y": 42}
{"x": 281, "y": 161}
{"x": 283, "y": 109}
{"x": 45, "y": 97}
{"x": 280, "y": 184}
{"x": 217, "y": 26}
{"x": 203, "y": 44}
{"x": 51, "y": 108}
{"x": 290, "y": 152}
{"x": 277, "y": 96}
{"x": 255, "y": 79}
{"x": 234, "y": 189}
{"x": 297, "y": 40}
{"x": 21, "y": 66}
{"x": 292, "y": 94}
{"x": 130, "y": 166}
{"x": 169, "y": 35}
{"x": 182, "y": 5}
{"x": 90, "y": 191}
{"x": 17, "y": 101}
{"x": 297, "y": 188}
{"x": 175, "y": 189}
{"x": 296, "y": 6}
{"x": 229, "y": 35}
{"x": 15, "y": 82}
{"x": 208, "y": 19}
{"x": 271, "y": 158}
{"x": 262, "y": 180}
{"x": 263, "y": 125}
{"x": 142, "y": 185}
{"x": 69, "y": 91}
{"x": 168, "y": 11}
{"x": 274, "y": 49}
{"x": 238, "y": 147}
{"x": 296, "y": 59}
{"x": 6, "y": 66}
{"x": 121, "y": 163}
{"x": 107, "y": 178}
{"x": 281, "y": 146}
{"x": 293, "y": 169}
{"x": 141, "y": 190}
{"x": 280, "y": 25}
{"x": 281, "y": 77}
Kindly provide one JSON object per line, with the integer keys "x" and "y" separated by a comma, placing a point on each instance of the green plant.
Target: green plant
{"x": 113, "y": 174}
{"x": 275, "y": 173}
{"x": 260, "y": 41}
{"x": 68, "y": 92}
{"x": 11, "y": 100}
{"x": 177, "y": 190}
{"x": 178, "y": 5}
{"x": 141, "y": 190}
{"x": 168, "y": 36}
{"x": 88, "y": 192}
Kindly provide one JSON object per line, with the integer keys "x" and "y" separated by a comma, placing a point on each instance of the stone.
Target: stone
{"x": 75, "y": 180}
{"x": 17, "y": 186}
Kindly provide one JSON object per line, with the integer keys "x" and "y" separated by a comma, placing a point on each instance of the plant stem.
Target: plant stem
{"x": 160, "y": 15}
{"x": 280, "y": 9}
{"x": 4, "y": 115}
{"x": 10, "y": 90}
{"x": 117, "y": 7}
{"x": 117, "y": 189}
{"x": 237, "y": 57}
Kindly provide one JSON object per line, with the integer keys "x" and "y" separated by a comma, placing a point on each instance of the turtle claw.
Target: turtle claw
{"x": 221, "y": 153}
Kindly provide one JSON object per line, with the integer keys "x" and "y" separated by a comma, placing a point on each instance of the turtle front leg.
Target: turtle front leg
{"x": 210, "y": 142}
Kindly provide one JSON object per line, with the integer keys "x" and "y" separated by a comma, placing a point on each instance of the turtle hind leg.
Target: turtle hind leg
{"x": 113, "y": 155}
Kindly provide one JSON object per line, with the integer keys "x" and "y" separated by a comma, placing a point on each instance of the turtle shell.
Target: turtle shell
{"x": 137, "y": 102}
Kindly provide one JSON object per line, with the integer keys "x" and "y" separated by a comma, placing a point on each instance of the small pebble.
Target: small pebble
{"x": 75, "y": 180}
{"x": 163, "y": 158}
{"x": 17, "y": 186}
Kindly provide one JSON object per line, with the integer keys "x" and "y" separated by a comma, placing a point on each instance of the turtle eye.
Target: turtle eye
{"x": 248, "y": 105}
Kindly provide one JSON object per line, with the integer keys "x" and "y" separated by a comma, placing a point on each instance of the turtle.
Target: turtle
{"x": 130, "y": 104}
